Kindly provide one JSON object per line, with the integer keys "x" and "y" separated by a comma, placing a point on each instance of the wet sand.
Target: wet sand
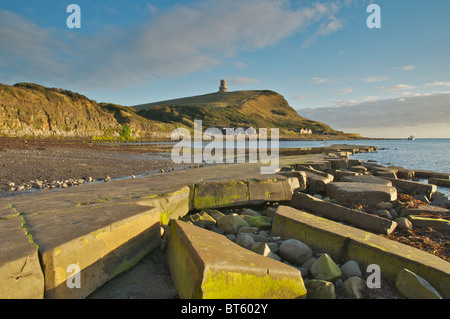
{"x": 25, "y": 161}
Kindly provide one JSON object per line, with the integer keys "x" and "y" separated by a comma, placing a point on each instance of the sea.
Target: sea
{"x": 419, "y": 154}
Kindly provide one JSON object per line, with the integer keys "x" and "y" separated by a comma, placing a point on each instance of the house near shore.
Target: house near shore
{"x": 305, "y": 131}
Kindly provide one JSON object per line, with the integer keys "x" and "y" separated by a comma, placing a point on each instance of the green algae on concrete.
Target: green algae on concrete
{"x": 103, "y": 240}
{"x": 206, "y": 265}
{"x": 21, "y": 275}
{"x": 216, "y": 194}
{"x": 271, "y": 188}
{"x": 344, "y": 243}
{"x": 171, "y": 205}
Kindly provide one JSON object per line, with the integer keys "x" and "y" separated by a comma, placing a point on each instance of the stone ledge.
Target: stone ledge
{"x": 206, "y": 265}
{"x": 21, "y": 275}
{"x": 361, "y": 193}
{"x": 336, "y": 212}
{"x": 345, "y": 242}
{"x": 103, "y": 240}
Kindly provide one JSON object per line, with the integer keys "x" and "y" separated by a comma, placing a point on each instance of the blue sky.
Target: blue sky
{"x": 320, "y": 55}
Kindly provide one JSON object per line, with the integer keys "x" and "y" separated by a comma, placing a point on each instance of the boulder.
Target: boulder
{"x": 412, "y": 286}
{"x": 261, "y": 222}
{"x": 201, "y": 219}
{"x": 295, "y": 252}
{"x": 320, "y": 289}
{"x": 245, "y": 240}
{"x": 353, "y": 287}
{"x": 404, "y": 223}
{"x": 231, "y": 223}
{"x": 324, "y": 268}
{"x": 351, "y": 269}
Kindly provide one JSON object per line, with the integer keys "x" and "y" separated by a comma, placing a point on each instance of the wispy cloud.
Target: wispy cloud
{"x": 405, "y": 68}
{"x": 436, "y": 84}
{"x": 318, "y": 80}
{"x": 373, "y": 79}
{"x": 398, "y": 87}
{"x": 346, "y": 90}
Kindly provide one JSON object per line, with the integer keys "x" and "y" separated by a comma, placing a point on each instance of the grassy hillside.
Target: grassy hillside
{"x": 259, "y": 109}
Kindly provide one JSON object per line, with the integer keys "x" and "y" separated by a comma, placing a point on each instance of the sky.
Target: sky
{"x": 391, "y": 81}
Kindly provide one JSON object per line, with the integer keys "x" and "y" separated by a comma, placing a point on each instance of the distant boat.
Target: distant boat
{"x": 411, "y": 138}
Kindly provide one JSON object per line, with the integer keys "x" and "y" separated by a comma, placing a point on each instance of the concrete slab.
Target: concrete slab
{"x": 412, "y": 188}
{"x": 425, "y": 209}
{"x": 439, "y": 182}
{"x": 366, "y": 179}
{"x": 207, "y": 265}
{"x": 340, "y": 213}
{"x": 21, "y": 275}
{"x": 271, "y": 189}
{"x": 103, "y": 240}
{"x": 345, "y": 243}
{"x": 361, "y": 193}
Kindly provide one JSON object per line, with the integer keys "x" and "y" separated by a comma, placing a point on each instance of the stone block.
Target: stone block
{"x": 343, "y": 243}
{"x": 206, "y": 265}
{"x": 366, "y": 179}
{"x": 435, "y": 223}
{"x": 439, "y": 182}
{"x": 361, "y": 193}
{"x": 171, "y": 205}
{"x": 216, "y": 194}
{"x": 271, "y": 189}
{"x": 413, "y": 188}
{"x": 21, "y": 275}
{"x": 103, "y": 240}
{"x": 340, "y": 213}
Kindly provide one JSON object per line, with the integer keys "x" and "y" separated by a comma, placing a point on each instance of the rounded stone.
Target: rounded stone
{"x": 351, "y": 269}
{"x": 245, "y": 240}
{"x": 231, "y": 223}
{"x": 295, "y": 252}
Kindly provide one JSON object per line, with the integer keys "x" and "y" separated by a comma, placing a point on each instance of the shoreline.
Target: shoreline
{"x": 211, "y": 182}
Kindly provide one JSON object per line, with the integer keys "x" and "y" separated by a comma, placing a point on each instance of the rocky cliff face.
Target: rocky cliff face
{"x": 31, "y": 110}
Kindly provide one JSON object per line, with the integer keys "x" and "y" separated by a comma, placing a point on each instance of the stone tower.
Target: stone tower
{"x": 223, "y": 86}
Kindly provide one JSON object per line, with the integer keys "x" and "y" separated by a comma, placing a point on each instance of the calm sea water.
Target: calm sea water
{"x": 424, "y": 154}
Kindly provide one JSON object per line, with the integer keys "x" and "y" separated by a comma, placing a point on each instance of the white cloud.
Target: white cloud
{"x": 318, "y": 80}
{"x": 398, "y": 87}
{"x": 375, "y": 79}
{"x": 406, "y": 68}
{"x": 433, "y": 84}
{"x": 183, "y": 39}
{"x": 346, "y": 90}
